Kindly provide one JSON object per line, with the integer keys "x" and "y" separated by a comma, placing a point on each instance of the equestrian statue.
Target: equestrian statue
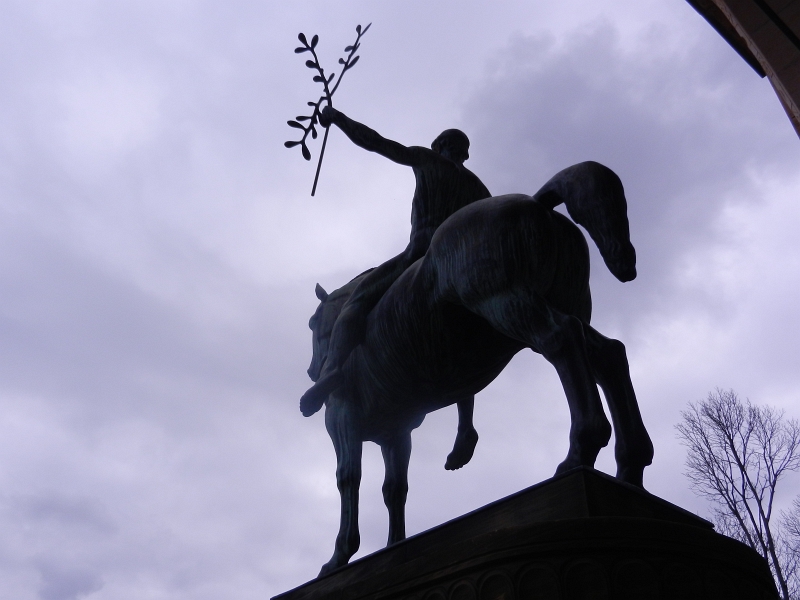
{"x": 482, "y": 278}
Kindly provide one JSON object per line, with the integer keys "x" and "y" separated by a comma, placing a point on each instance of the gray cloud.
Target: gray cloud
{"x": 67, "y": 585}
{"x": 683, "y": 128}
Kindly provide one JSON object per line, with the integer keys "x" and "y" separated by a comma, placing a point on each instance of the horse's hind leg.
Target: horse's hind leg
{"x": 590, "y": 429}
{"x": 341, "y": 426}
{"x": 525, "y": 316}
{"x": 634, "y": 450}
{"x": 396, "y": 453}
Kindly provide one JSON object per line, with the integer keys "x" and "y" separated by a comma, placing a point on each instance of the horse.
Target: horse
{"x": 501, "y": 274}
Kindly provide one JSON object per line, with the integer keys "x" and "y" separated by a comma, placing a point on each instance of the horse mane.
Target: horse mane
{"x": 348, "y": 287}
{"x": 595, "y": 199}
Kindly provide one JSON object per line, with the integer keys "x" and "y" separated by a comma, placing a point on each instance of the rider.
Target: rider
{"x": 443, "y": 185}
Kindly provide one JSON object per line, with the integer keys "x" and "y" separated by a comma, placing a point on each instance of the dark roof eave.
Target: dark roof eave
{"x": 717, "y": 19}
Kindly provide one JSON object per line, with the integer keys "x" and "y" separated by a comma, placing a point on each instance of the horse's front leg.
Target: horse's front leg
{"x": 396, "y": 453}
{"x": 342, "y": 426}
{"x": 466, "y": 436}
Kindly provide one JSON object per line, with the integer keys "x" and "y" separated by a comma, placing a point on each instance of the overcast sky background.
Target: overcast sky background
{"x": 159, "y": 250}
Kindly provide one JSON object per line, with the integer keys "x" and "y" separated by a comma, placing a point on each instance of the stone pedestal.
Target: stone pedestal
{"x": 579, "y": 536}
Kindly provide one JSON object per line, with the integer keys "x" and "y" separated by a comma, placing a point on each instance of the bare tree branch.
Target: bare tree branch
{"x": 737, "y": 454}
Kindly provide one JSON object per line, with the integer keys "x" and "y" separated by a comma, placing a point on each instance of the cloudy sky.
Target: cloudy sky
{"x": 159, "y": 250}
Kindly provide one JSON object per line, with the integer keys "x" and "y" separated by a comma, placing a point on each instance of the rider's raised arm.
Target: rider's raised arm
{"x": 371, "y": 140}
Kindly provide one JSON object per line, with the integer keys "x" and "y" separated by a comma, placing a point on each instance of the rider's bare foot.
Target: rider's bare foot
{"x": 316, "y": 395}
{"x": 462, "y": 449}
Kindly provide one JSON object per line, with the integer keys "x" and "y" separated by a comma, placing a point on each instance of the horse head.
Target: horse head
{"x": 323, "y": 320}
{"x": 616, "y": 249}
{"x": 321, "y": 325}
{"x": 595, "y": 199}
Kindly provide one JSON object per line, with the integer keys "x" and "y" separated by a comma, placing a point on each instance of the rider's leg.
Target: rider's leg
{"x": 466, "y": 437}
{"x": 349, "y": 329}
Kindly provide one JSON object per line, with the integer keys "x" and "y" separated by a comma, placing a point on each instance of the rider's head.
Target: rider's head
{"x": 452, "y": 144}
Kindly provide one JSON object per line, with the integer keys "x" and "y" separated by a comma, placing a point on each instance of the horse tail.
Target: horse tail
{"x": 595, "y": 199}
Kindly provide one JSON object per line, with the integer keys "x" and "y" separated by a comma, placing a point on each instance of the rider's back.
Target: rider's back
{"x": 442, "y": 188}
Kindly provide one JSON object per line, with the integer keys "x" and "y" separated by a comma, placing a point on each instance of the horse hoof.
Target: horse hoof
{"x": 564, "y": 467}
{"x": 631, "y": 476}
{"x": 570, "y": 463}
{"x": 463, "y": 450}
{"x": 329, "y": 567}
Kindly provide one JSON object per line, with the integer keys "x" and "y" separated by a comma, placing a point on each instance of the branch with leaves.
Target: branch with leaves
{"x": 308, "y": 123}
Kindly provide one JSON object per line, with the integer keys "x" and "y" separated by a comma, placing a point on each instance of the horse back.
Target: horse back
{"x": 510, "y": 244}
{"x": 424, "y": 348}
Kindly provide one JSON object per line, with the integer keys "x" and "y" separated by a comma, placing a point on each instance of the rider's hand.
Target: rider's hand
{"x": 327, "y": 115}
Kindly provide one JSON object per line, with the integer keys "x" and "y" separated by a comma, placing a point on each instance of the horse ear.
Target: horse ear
{"x": 321, "y": 294}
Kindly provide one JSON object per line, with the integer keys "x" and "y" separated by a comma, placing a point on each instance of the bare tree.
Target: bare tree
{"x": 737, "y": 454}
{"x": 791, "y": 547}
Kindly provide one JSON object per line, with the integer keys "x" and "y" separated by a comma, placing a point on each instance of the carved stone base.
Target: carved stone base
{"x": 579, "y": 536}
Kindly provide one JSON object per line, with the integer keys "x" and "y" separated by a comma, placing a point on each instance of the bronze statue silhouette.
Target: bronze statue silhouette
{"x": 501, "y": 274}
{"x": 443, "y": 185}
